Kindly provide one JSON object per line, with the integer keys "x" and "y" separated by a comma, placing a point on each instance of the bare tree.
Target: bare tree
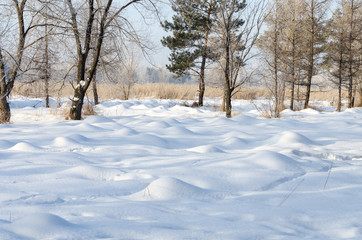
{"x": 270, "y": 44}
{"x": 314, "y": 18}
{"x": 343, "y": 51}
{"x": 128, "y": 72}
{"x": 238, "y": 27}
{"x": 336, "y": 50}
{"x": 83, "y": 39}
{"x": 8, "y": 74}
{"x": 351, "y": 9}
{"x": 291, "y": 16}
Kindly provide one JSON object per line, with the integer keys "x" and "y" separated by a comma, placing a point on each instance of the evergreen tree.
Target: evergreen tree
{"x": 190, "y": 28}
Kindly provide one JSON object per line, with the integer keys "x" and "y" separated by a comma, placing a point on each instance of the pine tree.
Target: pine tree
{"x": 190, "y": 28}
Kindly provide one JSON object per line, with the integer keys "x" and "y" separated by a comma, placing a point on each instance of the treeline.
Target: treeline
{"x": 80, "y": 42}
{"x": 306, "y": 38}
{"x": 293, "y": 39}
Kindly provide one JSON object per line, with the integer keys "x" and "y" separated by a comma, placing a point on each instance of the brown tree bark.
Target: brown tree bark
{"x": 84, "y": 78}
{"x": 95, "y": 90}
{"x": 4, "y": 105}
{"x": 310, "y": 64}
{"x": 350, "y": 58}
{"x": 7, "y": 79}
{"x": 227, "y": 89}
{"x": 204, "y": 57}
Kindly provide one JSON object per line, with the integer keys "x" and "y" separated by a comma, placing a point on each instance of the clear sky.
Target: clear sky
{"x": 153, "y": 32}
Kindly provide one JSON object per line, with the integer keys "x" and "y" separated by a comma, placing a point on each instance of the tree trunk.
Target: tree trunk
{"x": 339, "y": 95}
{"x": 309, "y": 79}
{"x": 350, "y": 60}
{"x": 4, "y": 110}
{"x": 340, "y": 67}
{"x": 77, "y": 104}
{"x": 276, "y": 93}
{"x": 228, "y": 101}
{"x": 310, "y": 66}
{"x": 298, "y": 86}
{"x": 276, "y": 66}
{"x": 202, "y": 82}
{"x": 292, "y": 95}
{"x": 46, "y": 53}
{"x": 204, "y": 56}
{"x": 292, "y": 88}
{"x": 227, "y": 85}
{"x": 95, "y": 91}
{"x": 227, "y": 89}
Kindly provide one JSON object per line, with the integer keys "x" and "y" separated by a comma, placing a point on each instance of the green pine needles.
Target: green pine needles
{"x": 190, "y": 29}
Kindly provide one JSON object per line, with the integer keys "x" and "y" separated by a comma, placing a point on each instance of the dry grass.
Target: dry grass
{"x": 107, "y": 91}
{"x": 155, "y": 90}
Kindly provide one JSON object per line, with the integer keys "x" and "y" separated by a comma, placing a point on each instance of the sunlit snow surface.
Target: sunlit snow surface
{"x": 152, "y": 169}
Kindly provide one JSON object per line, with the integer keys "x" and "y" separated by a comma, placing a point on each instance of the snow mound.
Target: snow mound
{"x": 235, "y": 143}
{"x": 42, "y": 226}
{"x": 237, "y": 134}
{"x": 168, "y": 188}
{"x": 86, "y": 127}
{"x": 179, "y": 131}
{"x": 310, "y": 111}
{"x": 353, "y": 110}
{"x": 65, "y": 142}
{"x": 150, "y": 140}
{"x": 95, "y": 173}
{"x": 275, "y": 161}
{"x": 126, "y": 131}
{"x": 158, "y": 125}
{"x": 288, "y": 138}
{"x": 79, "y": 138}
{"x": 206, "y": 149}
{"x": 25, "y": 147}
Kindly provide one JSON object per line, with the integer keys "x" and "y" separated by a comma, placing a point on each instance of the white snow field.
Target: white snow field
{"x": 154, "y": 169}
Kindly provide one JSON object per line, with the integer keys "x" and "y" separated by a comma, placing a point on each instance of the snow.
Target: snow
{"x": 154, "y": 169}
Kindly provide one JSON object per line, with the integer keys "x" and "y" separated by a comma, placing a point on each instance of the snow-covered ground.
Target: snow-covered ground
{"x": 152, "y": 169}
